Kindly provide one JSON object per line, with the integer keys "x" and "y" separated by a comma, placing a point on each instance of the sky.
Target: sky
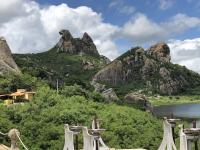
{"x": 32, "y": 26}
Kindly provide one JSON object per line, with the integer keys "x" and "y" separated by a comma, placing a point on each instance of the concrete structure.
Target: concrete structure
{"x": 21, "y": 95}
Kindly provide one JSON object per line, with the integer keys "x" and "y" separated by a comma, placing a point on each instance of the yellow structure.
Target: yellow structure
{"x": 23, "y": 94}
{"x": 19, "y": 96}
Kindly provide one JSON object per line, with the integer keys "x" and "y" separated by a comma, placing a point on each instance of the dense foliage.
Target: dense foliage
{"x": 41, "y": 122}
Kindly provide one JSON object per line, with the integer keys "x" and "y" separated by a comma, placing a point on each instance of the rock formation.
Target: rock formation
{"x": 160, "y": 52}
{"x": 110, "y": 95}
{"x": 151, "y": 69}
{"x": 7, "y": 64}
{"x": 78, "y": 46}
{"x": 138, "y": 99}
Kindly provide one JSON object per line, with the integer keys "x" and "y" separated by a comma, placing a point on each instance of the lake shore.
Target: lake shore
{"x": 169, "y": 100}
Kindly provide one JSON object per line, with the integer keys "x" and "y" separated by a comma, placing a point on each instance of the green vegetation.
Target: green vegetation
{"x": 68, "y": 69}
{"x": 41, "y": 122}
{"x": 11, "y": 83}
{"x": 178, "y": 99}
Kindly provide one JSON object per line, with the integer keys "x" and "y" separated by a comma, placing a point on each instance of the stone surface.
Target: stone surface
{"x": 97, "y": 86}
{"x": 151, "y": 68}
{"x": 78, "y": 46}
{"x": 105, "y": 59}
{"x": 160, "y": 52}
{"x": 7, "y": 64}
{"x": 137, "y": 99}
{"x": 87, "y": 65}
{"x": 122, "y": 69}
{"x": 110, "y": 95}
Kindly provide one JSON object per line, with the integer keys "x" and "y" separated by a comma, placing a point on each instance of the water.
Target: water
{"x": 184, "y": 111}
{"x": 190, "y": 111}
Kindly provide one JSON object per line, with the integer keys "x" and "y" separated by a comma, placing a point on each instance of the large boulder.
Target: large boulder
{"x": 78, "y": 46}
{"x": 98, "y": 86}
{"x": 7, "y": 63}
{"x": 110, "y": 95}
{"x": 138, "y": 100}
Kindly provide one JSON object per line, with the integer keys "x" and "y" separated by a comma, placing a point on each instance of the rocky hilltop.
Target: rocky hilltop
{"x": 79, "y": 46}
{"x": 71, "y": 61}
{"x": 149, "y": 70}
{"x": 7, "y": 64}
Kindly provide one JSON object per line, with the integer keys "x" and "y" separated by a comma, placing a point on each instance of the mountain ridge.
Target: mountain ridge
{"x": 150, "y": 69}
{"x": 77, "y": 61}
{"x": 69, "y": 61}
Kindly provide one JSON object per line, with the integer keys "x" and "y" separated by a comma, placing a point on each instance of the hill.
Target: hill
{"x": 149, "y": 71}
{"x": 70, "y": 61}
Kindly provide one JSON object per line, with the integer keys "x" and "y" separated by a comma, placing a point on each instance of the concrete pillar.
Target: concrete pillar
{"x": 14, "y": 139}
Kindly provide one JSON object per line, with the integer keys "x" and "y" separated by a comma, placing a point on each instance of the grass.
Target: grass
{"x": 170, "y": 100}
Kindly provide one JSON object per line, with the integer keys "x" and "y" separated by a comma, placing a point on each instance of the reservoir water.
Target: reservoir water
{"x": 185, "y": 111}
{"x": 190, "y": 111}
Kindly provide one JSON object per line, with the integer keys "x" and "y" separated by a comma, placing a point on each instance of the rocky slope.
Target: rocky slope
{"x": 7, "y": 64}
{"x": 149, "y": 70}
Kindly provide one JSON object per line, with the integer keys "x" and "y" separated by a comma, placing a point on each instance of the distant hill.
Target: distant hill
{"x": 7, "y": 64}
{"x": 71, "y": 61}
{"x": 149, "y": 71}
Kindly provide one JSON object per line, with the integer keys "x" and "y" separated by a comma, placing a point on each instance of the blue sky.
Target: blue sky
{"x": 115, "y": 25}
{"x": 151, "y": 8}
{"x": 156, "y": 10}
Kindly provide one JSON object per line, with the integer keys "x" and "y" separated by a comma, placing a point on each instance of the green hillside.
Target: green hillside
{"x": 67, "y": 68}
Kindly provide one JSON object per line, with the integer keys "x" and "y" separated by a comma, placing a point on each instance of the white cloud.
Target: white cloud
{"x": 166, "y": 4}
{"x": 10, "y": 9}
{"x": 29, "y": 27}
{"x": 36, "y": 29}
{"x": 107, "y": 48}
{"x": 122, "y": 7}
{"x": 186, "y": 52}
{"x": 181, "y": 22}
{"x": 141, "y": 29}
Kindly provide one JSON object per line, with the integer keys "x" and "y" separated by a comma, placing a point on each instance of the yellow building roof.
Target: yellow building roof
{"x": 17, "y": 94}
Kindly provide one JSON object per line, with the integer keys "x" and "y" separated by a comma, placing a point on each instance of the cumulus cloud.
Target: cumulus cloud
{"x": 181, "y": 22}
{"x": 186, "y": 52}
{"x": 30, "y": 27}
{"x": 36, "y": 29}
{"x": 10, "y": 9}
{"x": 166, "y": 4}
{"x": 140, "y": 29}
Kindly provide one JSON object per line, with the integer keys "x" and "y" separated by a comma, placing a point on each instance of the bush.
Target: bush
{"x": 13, "y": 82}
{"x": 41, "y": 121}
